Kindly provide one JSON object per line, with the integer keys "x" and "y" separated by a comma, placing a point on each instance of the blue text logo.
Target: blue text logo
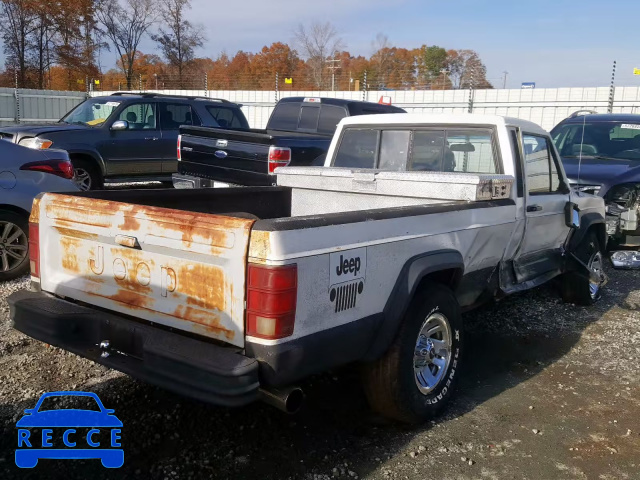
{"x": 69, "y": 425}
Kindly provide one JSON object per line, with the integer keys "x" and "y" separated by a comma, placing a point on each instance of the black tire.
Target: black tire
{"x": 16, "y": 268}
{"x": 576, "y": 287}
{"x": 87, "y": 174}
{"x": 391, "y": 384}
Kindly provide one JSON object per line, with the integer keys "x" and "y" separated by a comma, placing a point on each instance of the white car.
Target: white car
{"x": 24, "y": 174}
{"x": 232, "y": 295}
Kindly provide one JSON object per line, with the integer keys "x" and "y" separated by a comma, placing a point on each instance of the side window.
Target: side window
{"x": 542, "y": 174}
{"x": 172, "y": 115}
{"x": 309, "y": 118}
{"x": 330, "y": 116}
{"x": 394, "y": 150}
{"x": 225, "y": 117}
{"x": 427, "y": 152}
{"x": 472, "y": 151}
{"x": 285, "y": 117}
{"x": 357, "y": 149}
{"x": 140, "y": 116}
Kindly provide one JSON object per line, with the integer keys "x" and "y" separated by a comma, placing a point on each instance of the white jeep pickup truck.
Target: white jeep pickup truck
{"x": 234, "y": 295}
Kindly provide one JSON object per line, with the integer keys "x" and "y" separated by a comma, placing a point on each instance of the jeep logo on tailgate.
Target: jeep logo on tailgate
{"x": 347, "y": 277}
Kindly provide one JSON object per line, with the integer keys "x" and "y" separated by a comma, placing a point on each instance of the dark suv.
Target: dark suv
{"x": 126, "y": 136}
{"x": 601, "y": 155}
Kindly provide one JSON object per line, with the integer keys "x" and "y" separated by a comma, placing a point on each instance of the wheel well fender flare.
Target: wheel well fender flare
{"x": 588, "y": 222}
{"x": 91, "y": 155}
{"x": 443, "y": 266}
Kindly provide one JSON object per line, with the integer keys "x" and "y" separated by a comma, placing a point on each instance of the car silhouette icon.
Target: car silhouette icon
{"x": 68, "y": 419}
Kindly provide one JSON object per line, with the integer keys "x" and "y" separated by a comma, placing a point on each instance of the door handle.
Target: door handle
{"x": 534, "y": 208}
{"x": 151, "y": 138}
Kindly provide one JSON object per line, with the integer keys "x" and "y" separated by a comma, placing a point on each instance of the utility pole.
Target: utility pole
{"x": 504, "y": 84}
{"x": 335, "y": 65}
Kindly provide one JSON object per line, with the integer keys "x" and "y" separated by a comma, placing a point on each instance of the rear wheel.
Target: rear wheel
{"x": 87, "y": 175}
{"x": 415, "y": 377}
{"x": 14, "y": 245}
{"x": 578, "y": 287}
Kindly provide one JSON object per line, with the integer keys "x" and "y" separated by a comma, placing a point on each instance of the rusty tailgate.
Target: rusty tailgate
{"x": 177, "y": 268}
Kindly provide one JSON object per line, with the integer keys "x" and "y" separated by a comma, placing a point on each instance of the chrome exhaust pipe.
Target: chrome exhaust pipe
{"x": 289, "y": 399}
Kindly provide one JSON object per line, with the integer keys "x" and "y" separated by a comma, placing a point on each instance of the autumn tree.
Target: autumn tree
{"x": 277, "y": 58}
{"x": 467, "y": 70}
{"x": 317, "y": 43}
{"x": 124, "y": 23}
{"x": 179, "y": 40}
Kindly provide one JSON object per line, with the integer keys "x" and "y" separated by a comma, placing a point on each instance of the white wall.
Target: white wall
{"x": 545, "y": 106}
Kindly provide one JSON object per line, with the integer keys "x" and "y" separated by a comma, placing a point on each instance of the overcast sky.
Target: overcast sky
{"x": 555, "y": 43}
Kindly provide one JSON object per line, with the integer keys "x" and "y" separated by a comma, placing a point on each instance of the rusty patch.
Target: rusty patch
{"x": 70, "y": 247}
{"x": 208, "y": 321}
{"x": 203, "y": 285}
{"x": 68, "y": 232}
{"x": 133, "y": 299}
{"x": 260, "y": 245}
{"x": 35, "y": 210}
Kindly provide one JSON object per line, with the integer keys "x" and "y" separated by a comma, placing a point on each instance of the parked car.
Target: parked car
{"x": 298, "y": 133}
{"x": 601, "y": 155}
{"x": 24, "y": 174}
{"x": 126, "y": 136}
{"x": 231, "y": 295}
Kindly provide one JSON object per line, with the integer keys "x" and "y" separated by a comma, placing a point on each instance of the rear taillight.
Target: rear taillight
{"x": 278, "y": 157}
{"x": 271, "y": 300}
{"x": 34, "y": 249}
{"x": 61, "y": 168}
{"x": 179, "y": 145}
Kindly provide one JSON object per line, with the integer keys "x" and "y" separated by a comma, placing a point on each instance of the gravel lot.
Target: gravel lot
{"x": 549, "y": 391}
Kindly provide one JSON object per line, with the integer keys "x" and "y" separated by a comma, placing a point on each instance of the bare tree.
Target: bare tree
{"x": 317, "y": 43}
{"x": 381, "y": 59}
{"x": 19, "y": 22}
{"x": 125, "y": 22}
{"x": 179, "y": 41}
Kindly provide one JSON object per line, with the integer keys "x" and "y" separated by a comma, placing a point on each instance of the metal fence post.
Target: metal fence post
{"x": 471, "y": 87}
{"x": 364, "y": 87}
{"x": 276, "y": 87}
{"x": 612, "y": 89}
{"x": 17, "y": 99}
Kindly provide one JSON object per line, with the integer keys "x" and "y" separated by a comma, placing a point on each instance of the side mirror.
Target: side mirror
{"x": 29, "y": 411}
{"x": 120, "y": 125}
{"x": 572, "y": 215}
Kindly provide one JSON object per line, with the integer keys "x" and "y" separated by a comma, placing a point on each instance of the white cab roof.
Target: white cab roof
{"x": 418, "y": 119}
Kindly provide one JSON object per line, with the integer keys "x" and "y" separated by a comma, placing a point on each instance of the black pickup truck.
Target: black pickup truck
{"x": 298, "y": 133}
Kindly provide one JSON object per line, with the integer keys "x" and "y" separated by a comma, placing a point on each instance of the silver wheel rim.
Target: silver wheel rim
{"x": 595, "y": 264}
{"x": 14, "y": 246}
{"x": 82, "y": 179}
{"x": 432, "y": 353}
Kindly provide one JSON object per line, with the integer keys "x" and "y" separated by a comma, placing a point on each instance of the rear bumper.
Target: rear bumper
{"x": 187, "y": 366}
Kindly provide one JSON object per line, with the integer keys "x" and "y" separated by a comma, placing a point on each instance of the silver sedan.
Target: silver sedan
{"x": 25, "y": 173}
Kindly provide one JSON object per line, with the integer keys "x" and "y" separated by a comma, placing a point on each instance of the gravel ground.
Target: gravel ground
{"x": 548, "y": 391}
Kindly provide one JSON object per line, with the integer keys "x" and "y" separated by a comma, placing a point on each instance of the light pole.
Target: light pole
{"x": 504, "y": 83}
{"x": 156, "y": 76}
{"x": 444, "y": 73}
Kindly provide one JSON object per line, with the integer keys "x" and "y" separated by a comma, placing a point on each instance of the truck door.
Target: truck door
{"x": 137, "y": 150}
{"x": 546, "y": 195}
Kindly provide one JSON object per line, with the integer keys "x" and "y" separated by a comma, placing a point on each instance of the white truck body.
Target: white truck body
{"x": 356, "y": 243}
